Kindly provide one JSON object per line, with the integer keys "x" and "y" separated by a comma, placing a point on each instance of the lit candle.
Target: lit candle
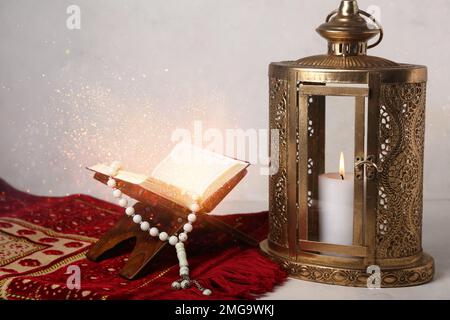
{"x": 336, "y": 206}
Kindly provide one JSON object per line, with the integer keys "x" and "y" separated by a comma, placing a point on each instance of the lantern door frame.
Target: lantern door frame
{"x": 310, "y": 101}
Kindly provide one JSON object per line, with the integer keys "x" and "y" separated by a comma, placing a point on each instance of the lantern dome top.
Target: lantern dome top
{"x": 348, "y": 32}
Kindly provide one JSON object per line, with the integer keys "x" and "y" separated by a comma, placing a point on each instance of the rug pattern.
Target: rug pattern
{"x": 43, "y": 239}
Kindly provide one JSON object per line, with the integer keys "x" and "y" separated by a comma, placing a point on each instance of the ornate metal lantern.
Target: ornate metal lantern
{"x": 386, "y": 181}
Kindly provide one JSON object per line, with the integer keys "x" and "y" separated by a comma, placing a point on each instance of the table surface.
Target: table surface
{"x": 436, "y": 241}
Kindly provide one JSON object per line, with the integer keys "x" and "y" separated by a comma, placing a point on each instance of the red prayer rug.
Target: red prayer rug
{"x": 42, "y": 239}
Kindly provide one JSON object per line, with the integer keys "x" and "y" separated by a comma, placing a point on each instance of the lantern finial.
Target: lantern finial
{"x": 348, "y": 8}
{"x": 348, "y": 32}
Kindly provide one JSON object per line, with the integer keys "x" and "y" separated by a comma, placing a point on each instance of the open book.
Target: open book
{"x": 188, "y": 176}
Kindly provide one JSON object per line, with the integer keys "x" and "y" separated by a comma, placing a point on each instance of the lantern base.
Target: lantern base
{"x": 418, "y": 273}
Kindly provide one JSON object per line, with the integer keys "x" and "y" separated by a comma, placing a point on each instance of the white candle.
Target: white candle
{"x": 336, "y": 207}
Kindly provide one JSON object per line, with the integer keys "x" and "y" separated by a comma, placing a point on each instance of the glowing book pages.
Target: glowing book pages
{"x": 187, "y": 176}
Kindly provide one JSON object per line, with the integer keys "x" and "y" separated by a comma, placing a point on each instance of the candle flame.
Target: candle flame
{"x": 342, "y": 166}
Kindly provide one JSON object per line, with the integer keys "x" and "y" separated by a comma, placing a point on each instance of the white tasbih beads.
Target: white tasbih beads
{"x": 178, "y": 241}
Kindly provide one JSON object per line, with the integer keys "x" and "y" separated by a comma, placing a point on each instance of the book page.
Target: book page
{"x": 195, "y": 170}
{"x": 126, "y": 176}
{"x": 187, "y": 176}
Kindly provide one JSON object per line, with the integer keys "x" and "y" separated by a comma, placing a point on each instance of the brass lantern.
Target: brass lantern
{"x": 387, "y": 165}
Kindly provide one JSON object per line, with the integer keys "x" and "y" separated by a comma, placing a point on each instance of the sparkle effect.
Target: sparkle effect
{"x": 83, "y": 124}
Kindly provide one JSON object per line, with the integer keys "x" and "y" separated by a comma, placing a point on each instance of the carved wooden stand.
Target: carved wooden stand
{"x": 165, "y": 215}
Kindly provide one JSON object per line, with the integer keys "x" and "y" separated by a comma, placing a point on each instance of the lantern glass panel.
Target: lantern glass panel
{"x": 339, "y": 132}
{"x": 336, "y": 191}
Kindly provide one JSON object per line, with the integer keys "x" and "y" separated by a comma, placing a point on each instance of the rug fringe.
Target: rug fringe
{"x": 248, "y": 276}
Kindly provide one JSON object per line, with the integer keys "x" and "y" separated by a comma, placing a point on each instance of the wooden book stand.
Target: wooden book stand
{"x": 165, "y": 215}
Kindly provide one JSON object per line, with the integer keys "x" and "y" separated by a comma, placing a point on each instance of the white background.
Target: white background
{"x": 137, "y": 70}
